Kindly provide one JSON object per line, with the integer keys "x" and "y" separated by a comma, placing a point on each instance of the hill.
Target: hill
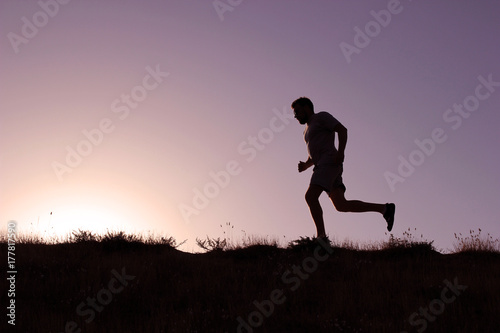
{"x": 129, "y": 286}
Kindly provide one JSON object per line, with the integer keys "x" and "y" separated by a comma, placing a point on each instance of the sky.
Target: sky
{"x": 173, "y": 117}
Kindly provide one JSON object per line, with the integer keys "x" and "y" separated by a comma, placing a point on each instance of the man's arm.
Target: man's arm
{"x": 342, "y": 133}
{"x": 305, "y": 165}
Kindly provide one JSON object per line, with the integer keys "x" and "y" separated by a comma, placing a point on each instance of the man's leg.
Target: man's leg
{"x": 312, "y": 199}
{"x": 355, "y": 206}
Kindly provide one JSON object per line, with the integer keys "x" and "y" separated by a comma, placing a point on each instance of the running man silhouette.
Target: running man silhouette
{"x": 327, "y": 160}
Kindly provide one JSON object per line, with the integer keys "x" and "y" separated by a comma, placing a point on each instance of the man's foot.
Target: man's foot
{"x": 324, "y": 240}
{"x": 390, "y": 210}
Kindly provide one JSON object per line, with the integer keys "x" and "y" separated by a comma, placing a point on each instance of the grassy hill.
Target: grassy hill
{"x": 123, "y": 284}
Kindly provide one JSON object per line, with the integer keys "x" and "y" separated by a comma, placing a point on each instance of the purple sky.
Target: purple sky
{"x": 157, "y": 97}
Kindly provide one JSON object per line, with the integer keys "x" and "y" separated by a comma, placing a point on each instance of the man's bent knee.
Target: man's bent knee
{"x": 341, "y": 207}
{"x": 311, "y": 198}
{"x": 340, "y": 203}
{"x": 312, "y": 195}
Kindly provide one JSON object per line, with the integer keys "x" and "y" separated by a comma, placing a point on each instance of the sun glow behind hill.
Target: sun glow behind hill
{"x": 59, "y": 214}
{"x": 61, "y": 219}
{"x": 94, "y": 218}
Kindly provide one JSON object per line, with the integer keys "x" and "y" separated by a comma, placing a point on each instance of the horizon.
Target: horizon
{"x": 175, "y": 118}
{"x": 473, "y": 241}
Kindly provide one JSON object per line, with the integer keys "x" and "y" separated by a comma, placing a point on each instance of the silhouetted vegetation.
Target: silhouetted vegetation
{"x": 476, "y": 243}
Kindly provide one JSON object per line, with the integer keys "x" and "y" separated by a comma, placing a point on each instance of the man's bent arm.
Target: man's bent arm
{"x": 305, "y": 165}
{"x": 342, "y": 133}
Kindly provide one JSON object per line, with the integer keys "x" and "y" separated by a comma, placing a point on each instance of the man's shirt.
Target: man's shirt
{"x": 320, "y": 138}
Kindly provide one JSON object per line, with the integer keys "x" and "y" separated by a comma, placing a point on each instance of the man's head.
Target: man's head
{"x": 303, "y": 108}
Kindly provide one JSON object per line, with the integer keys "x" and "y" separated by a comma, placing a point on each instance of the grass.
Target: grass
{"x": 475, "y": 242}
{"x": 301, "y": 286}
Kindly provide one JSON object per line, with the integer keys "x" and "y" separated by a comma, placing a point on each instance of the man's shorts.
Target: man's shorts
{"x": 328, "y": 176}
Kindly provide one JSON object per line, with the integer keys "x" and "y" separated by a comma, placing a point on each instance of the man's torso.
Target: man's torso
{"x": 320, "y": 138}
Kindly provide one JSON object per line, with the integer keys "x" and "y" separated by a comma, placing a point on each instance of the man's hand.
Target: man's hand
{"x": 302, "y": 166}
{"x": 339, "y": 158}
{"x": 305, "y": 165}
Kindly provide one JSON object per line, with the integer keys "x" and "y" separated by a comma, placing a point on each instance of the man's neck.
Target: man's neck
{"x": 310, "y": 117}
